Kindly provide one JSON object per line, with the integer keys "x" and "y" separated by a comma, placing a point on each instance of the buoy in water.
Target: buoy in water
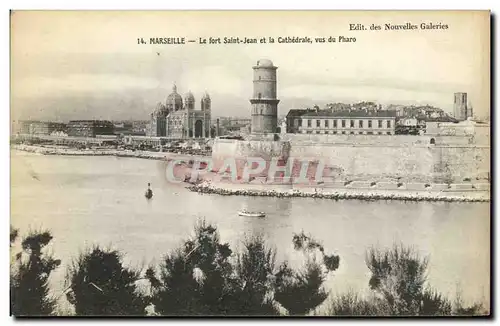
{"x": 149, "y": 192}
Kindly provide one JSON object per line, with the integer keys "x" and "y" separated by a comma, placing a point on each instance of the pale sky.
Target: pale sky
{"x": 75, "y": 65}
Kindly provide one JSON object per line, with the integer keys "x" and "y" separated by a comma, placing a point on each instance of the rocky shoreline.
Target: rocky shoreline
{"x": 207, "y": 187}
{"x": 336, "y": 194}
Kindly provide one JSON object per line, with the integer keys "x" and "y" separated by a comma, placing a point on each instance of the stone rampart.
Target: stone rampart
{"x": 416, "y": 159}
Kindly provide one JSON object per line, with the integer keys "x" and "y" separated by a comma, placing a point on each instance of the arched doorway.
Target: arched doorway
{"x": 198, "y": 129}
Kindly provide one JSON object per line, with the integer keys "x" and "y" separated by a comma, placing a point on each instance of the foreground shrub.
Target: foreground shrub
{"x": 300, "y": 292}
{"x": 459, "y": 308}
{"x": 253, "y": 280}
{"x": 101, "y": 286}
{"x": 351, "y": 304}
{"x": 195, "y": 279}
{"x": 434, "y": 304}
{"x": 398, "y": 275}
{"x": 14, "y": 233}
{"x": 30, "y": 274}
{"x": 204, "y": 278}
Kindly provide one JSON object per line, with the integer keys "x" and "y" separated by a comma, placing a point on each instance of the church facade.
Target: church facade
{"x": 179, "y": 118}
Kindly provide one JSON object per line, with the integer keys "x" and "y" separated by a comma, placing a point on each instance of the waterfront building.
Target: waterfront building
{"x": 264, "y": 100}
{"x": 144, "y": 140}
{"x": 179, "y": 118}
{"x": 31, "y": 127}
{"x": 408, "y": 122}
{"x": 234, "y": 126}
{"x": 59, "y": 133}
{"x": 140, "y": 127}
{"x": 90, "y": 128}
{"x": 359, "y": 122}
{"x": 123, "y": 127}
{"x": 292, "y": 120}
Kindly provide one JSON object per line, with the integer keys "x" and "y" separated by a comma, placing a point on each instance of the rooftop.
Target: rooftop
{"x": 297, "y": 112}
{"x": 353, "y": 113}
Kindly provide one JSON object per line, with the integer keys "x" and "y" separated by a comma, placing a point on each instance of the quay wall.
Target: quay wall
{"x": 435, "y": 159}
{"x": 241, "y": 150}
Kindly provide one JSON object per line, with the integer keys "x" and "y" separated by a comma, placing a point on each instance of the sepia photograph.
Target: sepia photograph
{"x": 250, "y": 163}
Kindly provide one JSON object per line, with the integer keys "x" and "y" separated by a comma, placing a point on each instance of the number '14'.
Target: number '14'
{"x": 140, "y": 40}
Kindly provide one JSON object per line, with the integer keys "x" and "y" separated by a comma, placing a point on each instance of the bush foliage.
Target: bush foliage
{"x": 30, "y": 273}
{"x": 101, "y": 286}
{"x": 203, "y": 276}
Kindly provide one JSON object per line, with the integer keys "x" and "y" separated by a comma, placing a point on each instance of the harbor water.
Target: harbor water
{"x": 100, "y": 200}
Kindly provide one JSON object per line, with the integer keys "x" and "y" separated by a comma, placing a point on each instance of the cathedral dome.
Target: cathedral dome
{"x": 265, "y": 63}
{"x": 205, "y": 102}
{"x": 174, "y": 100}
{"x": 189, "y": 101}
{"x": 189, "y": 97}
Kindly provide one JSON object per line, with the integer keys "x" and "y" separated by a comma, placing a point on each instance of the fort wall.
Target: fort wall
{"x": 435, "y": 159}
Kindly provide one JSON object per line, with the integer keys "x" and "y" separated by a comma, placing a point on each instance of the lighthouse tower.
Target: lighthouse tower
{"x": 264, "y": 101}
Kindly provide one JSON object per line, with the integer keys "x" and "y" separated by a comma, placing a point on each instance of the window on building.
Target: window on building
{"x": 327, "y": 132}
{"x": 318, "y": 123}
{"x": 343, "y": 132}
{"x": 380, "y": 123}
{"x": 388, "y": 132}
{"x": 369, "y": 133}
{"x": 300, "y": 122}
{"x": 433, "y": 141}
{"x": 388, "y": 123}
{"x": 352, "y": 123}
{"x": 343, "y": 123}
{"x": 260, "y": 95}
{"x": 369, "y": 123}
{"x": 317, "y": 131}
{"x": 309, "y": 124}
{"x": 352, "y": 132}
{"x": 334, "y": 132}
{"x": 361, "y": 123}
{"x": 380, "y": 132}
{"x": 334, "y": 123}
{"x": 259, "y": 77}
{"x": 327, "y": 124}
{"x": 309, "y": 132}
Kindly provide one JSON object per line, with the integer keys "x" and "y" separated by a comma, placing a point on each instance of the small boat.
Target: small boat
{"x": 251, "y": 214}
{"x": 149, "y": 192}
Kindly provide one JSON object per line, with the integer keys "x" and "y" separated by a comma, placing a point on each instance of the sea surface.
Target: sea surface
{"x": 85, "y": 201}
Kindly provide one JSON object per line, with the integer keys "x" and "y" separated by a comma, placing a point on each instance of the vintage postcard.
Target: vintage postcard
{"x": 250, "y": 163}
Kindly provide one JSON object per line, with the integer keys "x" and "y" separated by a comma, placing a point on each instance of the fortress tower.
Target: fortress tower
{"x": 264, "y": 101}
{"x": 460, "y": 106}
